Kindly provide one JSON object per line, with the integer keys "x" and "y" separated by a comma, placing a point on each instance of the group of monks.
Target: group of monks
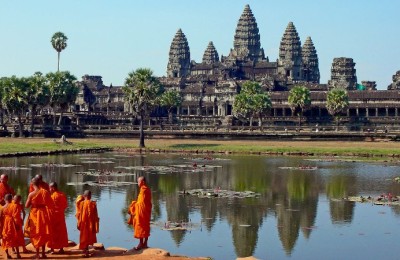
{"x": 45, "y": 225}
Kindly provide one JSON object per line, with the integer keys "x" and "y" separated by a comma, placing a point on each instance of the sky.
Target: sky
{"x": 112, "y": 38}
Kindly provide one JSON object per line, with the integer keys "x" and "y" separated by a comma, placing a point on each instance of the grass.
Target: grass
{"x": 13, "y": 145}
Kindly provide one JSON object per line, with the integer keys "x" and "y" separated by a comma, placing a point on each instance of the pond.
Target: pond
{"x": 296, "y": 211}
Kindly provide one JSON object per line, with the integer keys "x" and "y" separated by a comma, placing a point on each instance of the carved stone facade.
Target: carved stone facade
{"x": 396, "y": 82}
{"x": 209, "y": 88}
{"x": 343, "y": 74}
{"x": 309, "y": 57}
{"x": 179, "y": 56}
{"x": 290, "y": 58}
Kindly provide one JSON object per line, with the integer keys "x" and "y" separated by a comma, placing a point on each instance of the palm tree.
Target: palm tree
{"x": 59, "y": 42}
{"x": 142, "y": 91}
{"x": 63, "y": 92}
{"x": 299, "y": 99}
{"x": 171, "y": 99}
{"x": 14, "y": 97}
{"x": 337, "y": 101}
{"x": 251, "y": 102}
{"x": 38, "y": 95}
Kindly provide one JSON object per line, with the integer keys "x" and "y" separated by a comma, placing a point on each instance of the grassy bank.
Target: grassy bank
{"x": 13, "y": 145}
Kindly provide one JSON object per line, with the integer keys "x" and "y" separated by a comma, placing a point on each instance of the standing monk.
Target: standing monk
{"x": 9, "y": 231}
{"x": 5, "y": 188}
{"x": 88, "y": 222}
{"x": 38, "y": 222}
{"x": 141, "y": 211}
{"x": 41, "y": 184}
{"x": 59, "y": 228}
{"x": 19, "y": 221}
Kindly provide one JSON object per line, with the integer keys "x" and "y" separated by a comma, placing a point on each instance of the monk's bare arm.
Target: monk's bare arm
{"x": 28, "y": 201}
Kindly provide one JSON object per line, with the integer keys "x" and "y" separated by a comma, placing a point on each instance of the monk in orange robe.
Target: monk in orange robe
{"x": 42, "y": 184}
{"x": 9, "y": 230}
{"x": 5, "y": 188}
{"x": 59, "y": 227}
{"x": 141, "y": 211}
{"x": 88, "y": 222}
{"x": 19, "y": 220}
{"x": 39, "y": 220}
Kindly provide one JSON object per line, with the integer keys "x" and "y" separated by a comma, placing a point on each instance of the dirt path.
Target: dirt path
{"x": 111, "y": 253}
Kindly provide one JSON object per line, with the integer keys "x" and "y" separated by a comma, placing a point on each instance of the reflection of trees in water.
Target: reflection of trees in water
{"x": 177, "y": 211}
{"x": 209, "y": 211}
{"x": 337, "y": 188}
{"x": 246, "y": 213}
{"x": 294, "y": 196}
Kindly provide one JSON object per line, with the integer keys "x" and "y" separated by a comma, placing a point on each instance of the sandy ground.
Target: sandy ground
{"x": 109, "y": 253}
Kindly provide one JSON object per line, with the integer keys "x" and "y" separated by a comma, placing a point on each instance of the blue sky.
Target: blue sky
{"x": 112, "y": 38}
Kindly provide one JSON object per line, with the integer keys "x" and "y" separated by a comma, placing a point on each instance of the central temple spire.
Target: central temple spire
{"x": 246, "y": 44}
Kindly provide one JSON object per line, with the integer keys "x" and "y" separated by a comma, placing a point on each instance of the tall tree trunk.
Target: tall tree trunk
{"x": 58, "y": 62}
{"x": 61, "y": 116}
{"x": 170, "y": 116}
{"x": 54, "y": 116}
{"x": 141, "y": 132}
{"x": 1, "y": 117}
{"x": 33, "y": 110}
{"x": 21, "y": 132}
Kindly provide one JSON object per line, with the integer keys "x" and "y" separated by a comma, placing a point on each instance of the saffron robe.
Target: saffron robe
{"x": 88, "y": 223}
{"x": 59, "y": 227}
{"x": 4, "y": 190}
{"x": 142, "y": 212}
{"x": 39, "y": 219}
{"x": 19, "y": 222}
{"x": 9, "y": 231}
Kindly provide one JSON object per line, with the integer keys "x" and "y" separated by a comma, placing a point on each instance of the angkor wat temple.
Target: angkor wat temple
{"x": 208, "y": 88}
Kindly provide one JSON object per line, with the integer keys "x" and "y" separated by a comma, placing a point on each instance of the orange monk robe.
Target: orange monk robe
{"x": 5, "y": 189}
{"x": 19, "y": 222}
{"x": 42, "y": 185}
{"x": 88, "y": 223}
{"x": 39, "y": 220}
{"x": 9, "y": 232}
{"x": 142, "y": 212}
{"x": 59, "y": 227}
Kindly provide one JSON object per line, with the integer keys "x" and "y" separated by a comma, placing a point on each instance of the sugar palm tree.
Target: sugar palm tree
{"x": 252, "y": 102}
{"x": 171, "y": 99}
{"x": 63, "y": 91}
{"x": 38, "y": 95}
{"x": 142, "y": 91}
{"x": 14, "y": 97}
{"x": 299, "y": 99}
{"x": 59, "y": 43}
{"x": 337, "y": 101}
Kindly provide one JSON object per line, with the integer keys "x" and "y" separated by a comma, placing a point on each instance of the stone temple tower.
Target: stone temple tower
{"x": 343, "y": 74}
{"x": 179, "y": 56}
{"x": 246, "y": 44}
{"x": 310, "y": 67}
{"x": 210, "y": 55}
{"x": 290, "y": 60}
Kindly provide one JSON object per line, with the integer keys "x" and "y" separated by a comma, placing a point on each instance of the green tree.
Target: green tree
{"x": 38, "y": 95}
{"x": 59, "y": 43}
{"x": 299, "y": 99}
{"x": 1, "y": 103}
{"x": 142, "y": 91}
{"x": 63, "y": 92}
{"x": 252, "y": 102}
{"x": 171, "y": 99}
{"x": 337, "y": 101}
{"x": 14, "y": 98}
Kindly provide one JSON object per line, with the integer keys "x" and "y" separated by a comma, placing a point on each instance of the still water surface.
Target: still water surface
{"x": 299, "y": 214}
